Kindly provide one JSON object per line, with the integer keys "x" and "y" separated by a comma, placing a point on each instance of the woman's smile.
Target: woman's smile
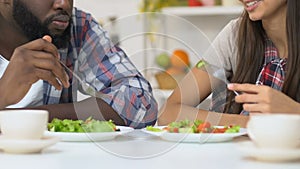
{"x": 251, "y": 5}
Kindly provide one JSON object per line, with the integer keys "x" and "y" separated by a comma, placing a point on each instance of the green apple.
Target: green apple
{"x": 163, "y": 60}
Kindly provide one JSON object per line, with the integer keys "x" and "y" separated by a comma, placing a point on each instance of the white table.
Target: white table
{"x": 141, "y": 151}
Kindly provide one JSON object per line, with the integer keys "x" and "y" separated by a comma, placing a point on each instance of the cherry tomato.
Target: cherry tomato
{"x": 204, "y": 127}
{"x": 219, "y": 130}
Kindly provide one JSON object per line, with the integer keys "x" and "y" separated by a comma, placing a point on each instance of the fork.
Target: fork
{"x": 86, "y": 87}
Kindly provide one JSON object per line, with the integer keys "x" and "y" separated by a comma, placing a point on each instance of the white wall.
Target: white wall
{"x": 131, "y": 29}
{"x": 104, "y": 8}
{"x": 127, "y": 24}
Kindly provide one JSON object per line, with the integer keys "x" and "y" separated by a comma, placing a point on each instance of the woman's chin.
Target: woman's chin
{"x": 254, "y": 17}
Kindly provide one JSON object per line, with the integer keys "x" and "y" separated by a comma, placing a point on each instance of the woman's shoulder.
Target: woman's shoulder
{"x": 231, "y": 28}
{"x": 234, "y": 22}
{"x": 227, "y": 37}
{"x": 224, "y": 47}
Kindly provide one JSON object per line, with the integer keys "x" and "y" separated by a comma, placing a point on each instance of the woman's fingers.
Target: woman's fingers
{"x": 248, "y": 98}
{"x": 258, "y": 107}
{"x": 248, "y": 88}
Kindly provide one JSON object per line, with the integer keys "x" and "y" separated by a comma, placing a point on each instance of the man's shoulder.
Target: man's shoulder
{"x": 80, "y": 15}
{"x": 82, "y": 22}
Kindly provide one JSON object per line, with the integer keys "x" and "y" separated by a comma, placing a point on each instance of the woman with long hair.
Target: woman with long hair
{"x": 259, "y": 55}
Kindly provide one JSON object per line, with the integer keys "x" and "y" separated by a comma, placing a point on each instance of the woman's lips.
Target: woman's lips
{"x": 252, "y": 5}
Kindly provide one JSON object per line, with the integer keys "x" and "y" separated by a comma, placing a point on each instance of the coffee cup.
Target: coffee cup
{"x": 23, "y": 124}
{"x": 276, "y": 131}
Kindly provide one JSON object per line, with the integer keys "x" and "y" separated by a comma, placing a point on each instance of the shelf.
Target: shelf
{"x": 203, "y": 11}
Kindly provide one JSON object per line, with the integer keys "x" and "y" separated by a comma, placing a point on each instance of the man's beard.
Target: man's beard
{"x": 33, "y": 28}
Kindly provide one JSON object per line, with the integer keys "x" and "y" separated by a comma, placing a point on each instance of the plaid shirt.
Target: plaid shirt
{"x": 272, "y": 74}
{"x": 94, "y": 58}
{"x": 273, "y": 71}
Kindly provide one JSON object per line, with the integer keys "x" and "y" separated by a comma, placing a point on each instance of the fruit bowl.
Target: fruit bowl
{"x": 175, "y": 68}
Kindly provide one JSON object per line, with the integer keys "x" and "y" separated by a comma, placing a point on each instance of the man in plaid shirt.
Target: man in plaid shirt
{"x": 85, "y": 48}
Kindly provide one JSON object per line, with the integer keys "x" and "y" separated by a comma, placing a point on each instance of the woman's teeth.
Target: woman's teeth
{"x": 251, "y": 3}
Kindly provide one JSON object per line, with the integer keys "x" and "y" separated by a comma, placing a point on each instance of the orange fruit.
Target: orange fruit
{"x": 180, "y": 58}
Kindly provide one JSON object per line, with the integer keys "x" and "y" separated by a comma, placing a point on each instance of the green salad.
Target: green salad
{"x": 196, "y": 126}
{"x": 154, "y": 129}
{"x": 80, "y": 126}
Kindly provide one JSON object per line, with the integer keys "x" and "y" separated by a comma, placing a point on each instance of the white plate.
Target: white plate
{"x": 266, "y": 154}
{"x": 99, "y": 136}
{"x": 26, "y": 146}
{"x": 196, "y": 137}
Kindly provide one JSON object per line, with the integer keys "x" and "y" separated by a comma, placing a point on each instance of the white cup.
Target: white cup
{"x": 278, "y": 131}
{"x": 23, "y": 124}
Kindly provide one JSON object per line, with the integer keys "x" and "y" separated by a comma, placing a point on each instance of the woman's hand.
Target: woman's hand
{"x": 264, "y": 99}
{"x": 38, "y": 59}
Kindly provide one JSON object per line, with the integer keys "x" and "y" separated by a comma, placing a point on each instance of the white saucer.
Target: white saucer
{"x": 267, "y": 154}
{"x": 90, "y": 137}
{"x": 26, "y": 146}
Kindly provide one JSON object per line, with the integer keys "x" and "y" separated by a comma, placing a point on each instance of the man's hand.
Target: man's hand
{"x": 38, "y": 59}
{"x": 264, "y": 99}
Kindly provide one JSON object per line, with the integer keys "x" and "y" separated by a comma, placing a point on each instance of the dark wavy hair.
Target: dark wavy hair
{"x": 251, "y": 48}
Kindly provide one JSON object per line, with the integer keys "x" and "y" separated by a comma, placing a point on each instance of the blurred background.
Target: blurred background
{"x": 163, "y": 38}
